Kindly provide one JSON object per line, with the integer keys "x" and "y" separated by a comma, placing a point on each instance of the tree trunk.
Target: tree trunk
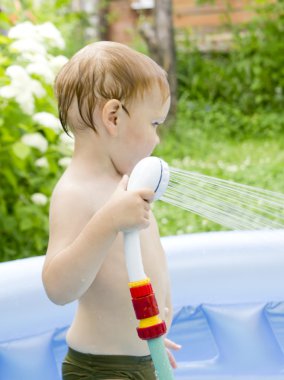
{"x": 103, "y": 22}
{"x": 161, "y": 44}
{"x": 97, "y": 12}
{"x": 166, "y": 45}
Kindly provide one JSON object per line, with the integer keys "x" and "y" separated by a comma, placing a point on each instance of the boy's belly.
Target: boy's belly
{"x": 106, "y": 334}
{"x": 105, "y": 322}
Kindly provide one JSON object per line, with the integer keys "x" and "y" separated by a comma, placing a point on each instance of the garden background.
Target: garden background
{"x": 229, "y": 122}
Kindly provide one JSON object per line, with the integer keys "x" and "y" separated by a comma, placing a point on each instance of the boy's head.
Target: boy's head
{"x": 100, "y": 72}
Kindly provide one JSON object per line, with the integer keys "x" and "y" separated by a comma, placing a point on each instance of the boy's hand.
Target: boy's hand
{"x": 130, "y": 210}
{"x": 170, "y": 345}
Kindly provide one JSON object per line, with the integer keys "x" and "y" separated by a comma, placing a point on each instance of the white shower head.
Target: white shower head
{"x": 151, "y": 172}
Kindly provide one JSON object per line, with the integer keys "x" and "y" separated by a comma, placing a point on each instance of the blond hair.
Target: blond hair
{"x": 104, "y": 71}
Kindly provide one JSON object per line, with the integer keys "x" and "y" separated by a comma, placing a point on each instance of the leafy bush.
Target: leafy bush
{"x": 72, "y": 23}
{"x": 225, "y": 120}
{"x": 32, "y": 146}
{"x": 250, "y": 76}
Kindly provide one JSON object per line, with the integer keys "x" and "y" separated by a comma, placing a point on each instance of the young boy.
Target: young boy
{"x": 112, "y": 98}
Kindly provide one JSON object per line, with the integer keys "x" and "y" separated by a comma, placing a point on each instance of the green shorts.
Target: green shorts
{"x": 79, "y": 366}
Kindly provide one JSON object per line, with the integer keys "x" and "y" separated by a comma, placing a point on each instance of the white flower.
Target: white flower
{"x": 48, "y": 120}
{"x": 45, "y": 66}
{"x": 50, "y": 34}
{"x": 33, "y": 57}
{"x": 41, "y": 69}
{"x": 22, "y": 31}
{"x": 7, "y": 92}
{"x": 65, "y": 161}
{"x": 22, "y": 88}
{"x": 42, "y": 162}
{"x": 28, "y": 45}
{"x": 57, "y": 62}
{"x": 36, "y": 35}
{"x": 35, "y": 140}
{"x": 40, "y": 65}
{"x": 16, "y": 72}
{"x": 39, "y": 199}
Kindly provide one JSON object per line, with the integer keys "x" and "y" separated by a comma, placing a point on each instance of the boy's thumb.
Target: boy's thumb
{"x": 124, "y": 182}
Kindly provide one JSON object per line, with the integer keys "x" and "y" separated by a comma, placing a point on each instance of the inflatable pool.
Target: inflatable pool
{"x": 228, "y": 296}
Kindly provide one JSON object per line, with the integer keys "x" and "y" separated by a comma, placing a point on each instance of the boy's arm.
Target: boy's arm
{"x": 169, "y": 308}
{"x": 168, "y": 312}
{"x": 71, "y": 266}
{"x": 169, "y": 344}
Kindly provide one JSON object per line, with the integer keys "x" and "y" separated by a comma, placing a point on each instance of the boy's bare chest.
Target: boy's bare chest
{"x": 112, "y": 280}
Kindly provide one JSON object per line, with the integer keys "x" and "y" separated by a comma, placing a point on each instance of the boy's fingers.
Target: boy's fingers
{"x": 172, "y": 345}
{"x": 172, "y": 360}
{"x": 146, "y": 194}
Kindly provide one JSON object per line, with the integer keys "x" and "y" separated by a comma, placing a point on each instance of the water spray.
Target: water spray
{"x": 230, "y": 204}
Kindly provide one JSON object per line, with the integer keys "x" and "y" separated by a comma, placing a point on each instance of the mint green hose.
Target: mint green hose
{"x": 160, "y": 358}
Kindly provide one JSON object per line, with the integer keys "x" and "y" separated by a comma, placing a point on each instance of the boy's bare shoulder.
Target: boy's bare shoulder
{"x": 69, "y": 196}
{"x": 71, "y": 207}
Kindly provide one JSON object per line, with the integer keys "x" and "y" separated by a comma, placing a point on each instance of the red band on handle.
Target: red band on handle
{"x": 145, "y": 307}
{"x": 141, "y": 291}
{"x": 152, "y": 332}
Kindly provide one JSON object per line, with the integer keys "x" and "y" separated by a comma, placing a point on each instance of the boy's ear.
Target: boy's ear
{"x": 110, "y": 115}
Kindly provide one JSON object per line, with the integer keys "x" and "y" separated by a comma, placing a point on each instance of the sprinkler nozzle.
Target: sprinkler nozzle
{"x": 151, "y": 172}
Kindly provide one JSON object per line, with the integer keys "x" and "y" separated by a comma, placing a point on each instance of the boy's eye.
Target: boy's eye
{"x": 155, "y": 124}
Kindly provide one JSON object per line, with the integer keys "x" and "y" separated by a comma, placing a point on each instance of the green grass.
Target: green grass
{"x": 255, "y": 162}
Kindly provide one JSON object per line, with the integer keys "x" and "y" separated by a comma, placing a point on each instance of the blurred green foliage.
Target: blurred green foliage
{"x": 250, "y": 75}
{"x": 27, "y": 169}
{"x": 230, "y": 121}
{"x": 70, "y": 21}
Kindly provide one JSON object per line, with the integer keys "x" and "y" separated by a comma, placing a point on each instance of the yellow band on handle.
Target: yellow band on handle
{"x": 135, "y": 284}
{"x": 147, "y": 322}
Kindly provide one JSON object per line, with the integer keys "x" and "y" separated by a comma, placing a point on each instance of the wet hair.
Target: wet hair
{"x": 103, "y": 71}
